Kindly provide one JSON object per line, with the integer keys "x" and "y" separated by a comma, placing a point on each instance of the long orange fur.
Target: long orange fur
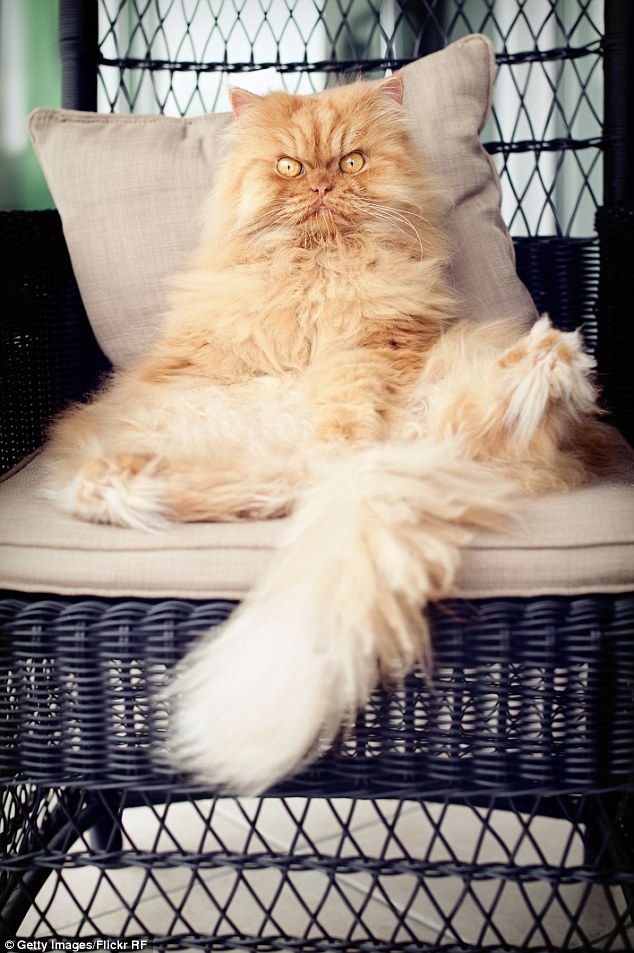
{"x": 312, "y": 360}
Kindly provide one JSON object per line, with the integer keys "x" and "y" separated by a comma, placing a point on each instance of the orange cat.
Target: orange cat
{"x": 311, "y": 361}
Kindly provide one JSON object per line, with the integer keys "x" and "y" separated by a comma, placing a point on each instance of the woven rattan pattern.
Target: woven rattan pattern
{"x": 175, "y": 58}
{"x": 48, "y": 354}
{"x": 522, "y": 697}
{"x": 283, "y": 893}
{"x": 523, "y": 704}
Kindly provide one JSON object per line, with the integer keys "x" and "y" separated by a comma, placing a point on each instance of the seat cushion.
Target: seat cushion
{"x": 575, "y": 543}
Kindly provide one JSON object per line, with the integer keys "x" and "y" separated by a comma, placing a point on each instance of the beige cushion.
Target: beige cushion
{"x": 577, "y": 543}
{"x": 130, "y": 190}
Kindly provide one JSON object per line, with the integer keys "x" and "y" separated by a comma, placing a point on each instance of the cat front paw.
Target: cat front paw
{"x": 545, "y": 368}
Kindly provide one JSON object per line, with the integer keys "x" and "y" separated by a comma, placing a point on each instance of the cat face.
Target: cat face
{"x": 322, "y": 164}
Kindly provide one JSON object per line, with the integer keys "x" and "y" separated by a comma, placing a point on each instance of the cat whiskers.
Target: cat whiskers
{"x": 394, "y": 218}
{"x": 275, "y": 218}
{"x": 390, "y": 214}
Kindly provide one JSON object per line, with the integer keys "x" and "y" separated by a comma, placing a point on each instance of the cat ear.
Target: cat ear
{"x": 392, "y": 87}
{"x": 242, "y": 100}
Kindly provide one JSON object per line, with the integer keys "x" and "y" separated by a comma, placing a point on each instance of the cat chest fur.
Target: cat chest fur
{"x": 280, "y": 315}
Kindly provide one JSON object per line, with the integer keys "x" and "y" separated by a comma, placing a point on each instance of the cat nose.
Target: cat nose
{"x": 321, "y": 189}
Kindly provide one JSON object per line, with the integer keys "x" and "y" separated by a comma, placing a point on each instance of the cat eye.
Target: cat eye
{"x": 353, "y": 162}
{"x": 289, "y": 168}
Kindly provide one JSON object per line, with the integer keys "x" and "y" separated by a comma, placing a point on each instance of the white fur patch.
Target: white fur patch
{"x": 123, "y": 499}
{"x": 376, "y": 536}
{"x": 544, "y": 375}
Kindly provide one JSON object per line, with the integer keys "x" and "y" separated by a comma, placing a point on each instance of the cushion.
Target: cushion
{"x": 130, "y": 190}
{"x": 575, "y": 543}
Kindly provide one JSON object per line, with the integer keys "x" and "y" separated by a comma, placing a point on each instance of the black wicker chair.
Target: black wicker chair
{"x": 531, "y": 711}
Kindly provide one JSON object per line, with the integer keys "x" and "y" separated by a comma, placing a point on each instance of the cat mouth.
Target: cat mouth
{"x": 320, "y": 211}
{"x": 323, "y": 214}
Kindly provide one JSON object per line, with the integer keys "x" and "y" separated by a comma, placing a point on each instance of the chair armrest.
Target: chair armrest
{"x": 48, "y": 353}
{"x": 615, "y": 350}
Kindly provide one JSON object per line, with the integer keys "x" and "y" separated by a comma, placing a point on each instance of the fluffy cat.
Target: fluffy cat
{"x": 312, "y": 361}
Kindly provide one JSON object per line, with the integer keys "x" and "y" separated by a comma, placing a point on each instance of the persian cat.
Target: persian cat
{"x": 312, "y": 361}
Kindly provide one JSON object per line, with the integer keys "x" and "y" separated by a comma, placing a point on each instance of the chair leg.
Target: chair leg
{"x": 105, "y": 834}
{"x": 69, "y": 817}
{"x": 609, "y": 840}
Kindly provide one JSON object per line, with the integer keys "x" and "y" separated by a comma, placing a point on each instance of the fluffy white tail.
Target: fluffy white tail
{"x": 376, "y": 537}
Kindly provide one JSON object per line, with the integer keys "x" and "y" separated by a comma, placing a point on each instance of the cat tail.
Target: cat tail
{"x": 376, "y": 537}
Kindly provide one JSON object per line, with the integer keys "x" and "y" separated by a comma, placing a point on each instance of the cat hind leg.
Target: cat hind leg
{"x": 145, "y": 491}
{"x": 124, "y": 489}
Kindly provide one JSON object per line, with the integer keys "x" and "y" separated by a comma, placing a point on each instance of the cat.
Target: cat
{"x": 313, "y": 361}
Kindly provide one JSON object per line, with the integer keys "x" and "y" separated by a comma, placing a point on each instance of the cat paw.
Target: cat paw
{"x": 546, "y": 367}
{"x": 123, "y": 490}
{"x": 544, "y": 348}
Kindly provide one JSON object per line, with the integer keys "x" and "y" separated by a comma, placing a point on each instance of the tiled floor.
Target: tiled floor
{"x": 395, "y": 907}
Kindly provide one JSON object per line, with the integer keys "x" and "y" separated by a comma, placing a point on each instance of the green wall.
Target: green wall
{"x": 30, "y": 76}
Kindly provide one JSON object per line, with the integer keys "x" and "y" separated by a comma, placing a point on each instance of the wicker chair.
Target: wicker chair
{"x": 531, "y": 711}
